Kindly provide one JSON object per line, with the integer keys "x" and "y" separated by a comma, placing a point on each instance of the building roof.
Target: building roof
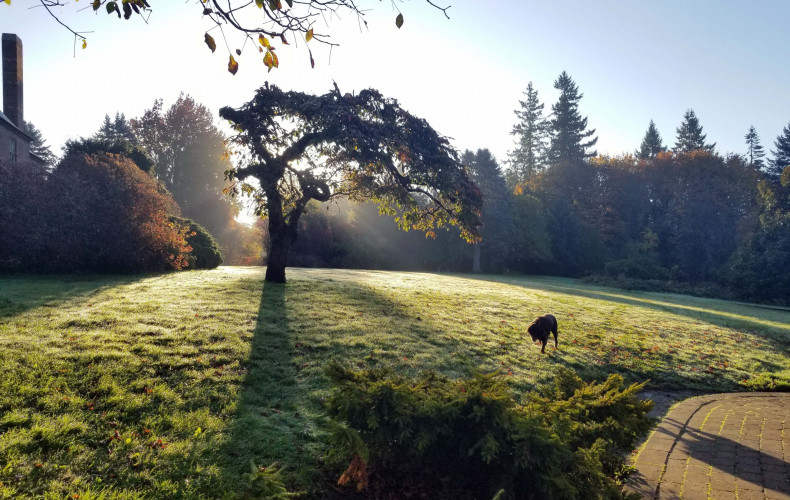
{"x": 4, "y": 121}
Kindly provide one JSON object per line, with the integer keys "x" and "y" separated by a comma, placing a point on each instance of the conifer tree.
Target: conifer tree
{"x": 531, "y": 133}
{"x": 122, "y": 129}
{"x": 781, "y": 158}
{"x": 690, "y": 136}
{"x": 755, "y": 152}
{"x": 38, "y": 145}
{"x": 651, "y": 144}
{"x": 115, "y": 130}
{"x": 567, "y": 126}
{"x": 106, "y": 131}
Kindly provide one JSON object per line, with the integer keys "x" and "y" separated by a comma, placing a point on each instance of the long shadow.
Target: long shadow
{"x": 20, "y": 293}
{"x": 279, "y": 415}
{"x": 730, "y": 457}
{"x": 693, "y": 307}
{"x": 269, "y": 426}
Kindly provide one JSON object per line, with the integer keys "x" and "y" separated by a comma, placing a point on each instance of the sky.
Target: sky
{"x": 633, "y": 60}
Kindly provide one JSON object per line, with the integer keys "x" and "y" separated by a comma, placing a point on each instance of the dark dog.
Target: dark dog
{"x": 540, "y": 329}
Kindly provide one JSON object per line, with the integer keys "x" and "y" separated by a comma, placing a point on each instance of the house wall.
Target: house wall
{"x": 9, "y": 135}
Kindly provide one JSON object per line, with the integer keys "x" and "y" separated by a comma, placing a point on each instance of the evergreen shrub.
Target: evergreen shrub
{"x": 205, "y": 252}
{"x": 469, "y": 439}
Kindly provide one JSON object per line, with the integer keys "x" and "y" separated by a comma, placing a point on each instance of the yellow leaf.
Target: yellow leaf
{"x": 268, "y": 60}
{"x": 210, "y": 42}
{"x": 264, "y": 41}
{"x": 84, "y": 41}
{"x": 309, "y": 35}
{"x": 259, "y": 3}
{"x": 233, "y": 66}
{"x": 7, "y": 1}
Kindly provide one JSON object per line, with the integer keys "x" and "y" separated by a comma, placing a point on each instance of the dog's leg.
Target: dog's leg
{"x": 543, "y": 343}
{"x": 555, "y": 338}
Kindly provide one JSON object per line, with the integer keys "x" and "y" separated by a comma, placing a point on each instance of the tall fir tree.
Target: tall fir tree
{"x": 531, "y": 131}
{"x": 754, "y": 152}
{"x": 122, "y": 129}
{"x": 569, "y": 138}
{"x": 690, "y": 136}
{"x": 38, "y": 145}
{"x": 781, "y": 158}
{"x": 652, "y": 144}
{"x": 106, "y": 131}
{"x": 115, "y": 130}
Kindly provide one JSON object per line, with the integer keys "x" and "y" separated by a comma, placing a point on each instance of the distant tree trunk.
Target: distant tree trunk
{"x": 476, "y": 258}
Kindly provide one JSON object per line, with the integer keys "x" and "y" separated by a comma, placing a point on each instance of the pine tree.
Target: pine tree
{"x": 38, "y": 145}
{"x": 122, "y": 129}
{"x": 781, "y": 158}
{"x": 690, "y": 136}
{"x": 107, "y": 131}
{"x": 568, "y": 126}
{"x": 531, "y": 133}
{"x": 755, "y": 152}
{"x": 652, "y": 144}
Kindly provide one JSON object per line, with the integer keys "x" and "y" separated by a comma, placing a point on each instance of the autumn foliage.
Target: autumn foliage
{"x": 93, "y": 213}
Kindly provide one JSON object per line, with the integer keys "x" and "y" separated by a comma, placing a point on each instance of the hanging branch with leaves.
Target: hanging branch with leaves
{"x": 262, "y": 22}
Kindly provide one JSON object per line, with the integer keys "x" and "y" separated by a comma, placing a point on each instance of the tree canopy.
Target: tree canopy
{"x": 651, "y": 144}
{"x": 754, "y": 151}
{"x": 531, "y": 131}
{"x": 569, "y": 138}
{"x": 303, "y": 147}
{"x": 781, "y": 159}
{"x": 38, "y": 145}
{"x": 690, "y": 137}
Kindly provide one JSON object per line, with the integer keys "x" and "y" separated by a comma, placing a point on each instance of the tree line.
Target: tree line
{"x": 684, "y": 218}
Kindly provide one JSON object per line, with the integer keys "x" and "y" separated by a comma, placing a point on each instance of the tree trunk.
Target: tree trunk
{"x": 279, "y": 243}
{"x": 476, "y": 258}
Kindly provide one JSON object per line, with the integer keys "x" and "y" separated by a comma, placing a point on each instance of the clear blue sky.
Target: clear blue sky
{"x": 634, "y": 60}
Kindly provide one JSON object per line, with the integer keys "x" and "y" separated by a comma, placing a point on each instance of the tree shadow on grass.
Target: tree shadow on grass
{"x": 20, "y": 293}
{"x": 269, "y": 425}
{"x": 717, "y": 312}
{"x": 279, "y": 415}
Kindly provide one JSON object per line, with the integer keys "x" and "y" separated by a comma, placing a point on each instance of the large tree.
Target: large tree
{"x": 302, "y": 147}
{"x": 570, "y": 139}
{"x": 651, "y": 144}
{"x": 531, "y": 131}
{"x": 754, "y": 152}
{"x": 781, "y": 159}
{"x": 190, "y": 159}
{"x": 268, "y": 22}
{"x": 690, "y": 136}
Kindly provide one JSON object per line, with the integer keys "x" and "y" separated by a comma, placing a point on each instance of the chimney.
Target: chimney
{"x": 12, "y": 79}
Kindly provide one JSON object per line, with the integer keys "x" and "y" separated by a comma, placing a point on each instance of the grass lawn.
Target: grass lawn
{"x": 178, "y": 385}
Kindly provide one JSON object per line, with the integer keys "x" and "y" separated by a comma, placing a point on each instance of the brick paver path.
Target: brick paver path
{"x": 724, "y": 446}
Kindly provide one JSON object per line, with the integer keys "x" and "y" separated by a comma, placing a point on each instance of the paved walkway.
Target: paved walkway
{"x": 724, "y": 446}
